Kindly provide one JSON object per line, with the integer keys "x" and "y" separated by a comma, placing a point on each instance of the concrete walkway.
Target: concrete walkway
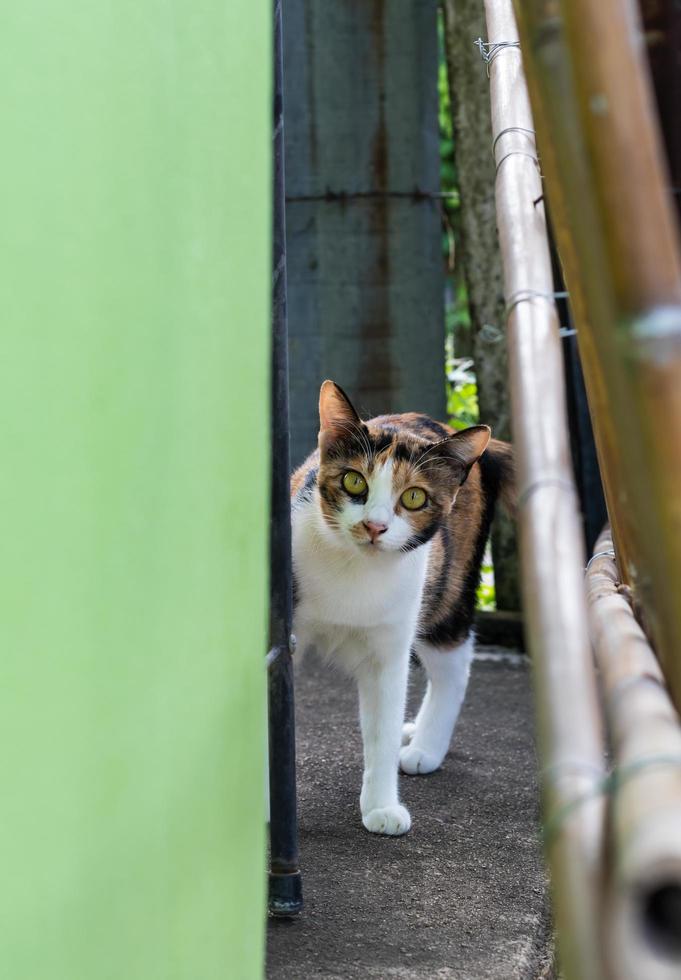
{"x": 463, "y": 896}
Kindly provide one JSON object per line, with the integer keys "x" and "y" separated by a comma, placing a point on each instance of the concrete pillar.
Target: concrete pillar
{"x": 365, "y": 269}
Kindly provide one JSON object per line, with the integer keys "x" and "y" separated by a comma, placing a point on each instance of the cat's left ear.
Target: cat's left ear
{"x": 337, "y": 416}
{"x": 464, "y": 449}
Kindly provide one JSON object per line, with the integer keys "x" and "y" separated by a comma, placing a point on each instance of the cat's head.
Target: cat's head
{"x": 384, "y": 487}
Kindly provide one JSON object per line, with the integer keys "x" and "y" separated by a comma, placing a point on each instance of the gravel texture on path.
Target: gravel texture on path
{"x": 463, "y": 896}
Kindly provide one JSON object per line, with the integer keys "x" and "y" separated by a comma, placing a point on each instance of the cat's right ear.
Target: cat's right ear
{"x": 337, "y": 417}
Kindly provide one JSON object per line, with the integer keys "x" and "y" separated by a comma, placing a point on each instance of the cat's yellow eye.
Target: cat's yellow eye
{"x": 354, "y": 483}
{"x": 414, "y": 498}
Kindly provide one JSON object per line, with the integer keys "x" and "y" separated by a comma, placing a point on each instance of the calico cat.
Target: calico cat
{"x": 390, "y": 518}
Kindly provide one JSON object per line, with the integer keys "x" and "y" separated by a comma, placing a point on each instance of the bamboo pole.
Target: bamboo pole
{"x": 551, "y": 552}
{"x": 644, "y": 894}
{"x": 567, "y": 187}
{"x": 639, "y": 345}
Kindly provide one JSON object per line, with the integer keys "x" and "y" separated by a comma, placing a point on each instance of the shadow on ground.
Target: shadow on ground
{"x": 463, "y": 896}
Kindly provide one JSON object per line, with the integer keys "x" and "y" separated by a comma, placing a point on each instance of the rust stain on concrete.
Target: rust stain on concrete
{"x": 377, "y": 372}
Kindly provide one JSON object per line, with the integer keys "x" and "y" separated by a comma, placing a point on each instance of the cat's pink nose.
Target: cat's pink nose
{"x": 375, "y": 529}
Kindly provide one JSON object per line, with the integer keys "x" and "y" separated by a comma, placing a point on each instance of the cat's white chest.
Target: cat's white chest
{"x": 341, "y": 594}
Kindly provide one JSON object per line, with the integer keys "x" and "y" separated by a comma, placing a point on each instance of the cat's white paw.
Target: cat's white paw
{"x": 416, "y": 762}
{"x": 392, "y": 820}
{"x": 408, "y": 730}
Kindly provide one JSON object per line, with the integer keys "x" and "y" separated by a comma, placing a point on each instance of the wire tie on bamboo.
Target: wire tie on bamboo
{"x": 552, "y": 775}
{"x": 549, "y": 481}
{"x": 527, "y": 295}
{"x": 518, "y": 153}
{"x": 600, "y": 554}
{"x": 511, "y": 129}
{"x": 623, "y": 774}
{"x": 489, "y": 50}
{"x": 570, "y": 767}
{"x": 622, "y": 688}
{"x": 608, "y": 786}
{"x": 552, "y": 827}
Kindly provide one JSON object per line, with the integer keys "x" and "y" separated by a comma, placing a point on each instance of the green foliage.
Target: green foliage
{"x": 457, "y": 314}
{"x": 449, "y": 183}
{"x": 486, "y": 596}
{"x": 462, "y": 391}
{"x": 462, "y": 405}
{"x": 448, "y": 177}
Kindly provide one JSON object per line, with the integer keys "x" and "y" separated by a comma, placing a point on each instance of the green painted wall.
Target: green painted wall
{"x": 134, "y": 296}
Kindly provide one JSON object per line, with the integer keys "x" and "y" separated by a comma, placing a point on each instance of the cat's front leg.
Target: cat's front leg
{"x": 382, "y": 682}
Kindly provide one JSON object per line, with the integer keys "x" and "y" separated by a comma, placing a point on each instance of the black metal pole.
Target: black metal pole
{"x": 584, "y": 459}
{"x": 285, "y": 885}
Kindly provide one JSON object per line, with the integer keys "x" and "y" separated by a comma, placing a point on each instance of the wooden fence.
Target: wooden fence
{"x": 612, "y": 839}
